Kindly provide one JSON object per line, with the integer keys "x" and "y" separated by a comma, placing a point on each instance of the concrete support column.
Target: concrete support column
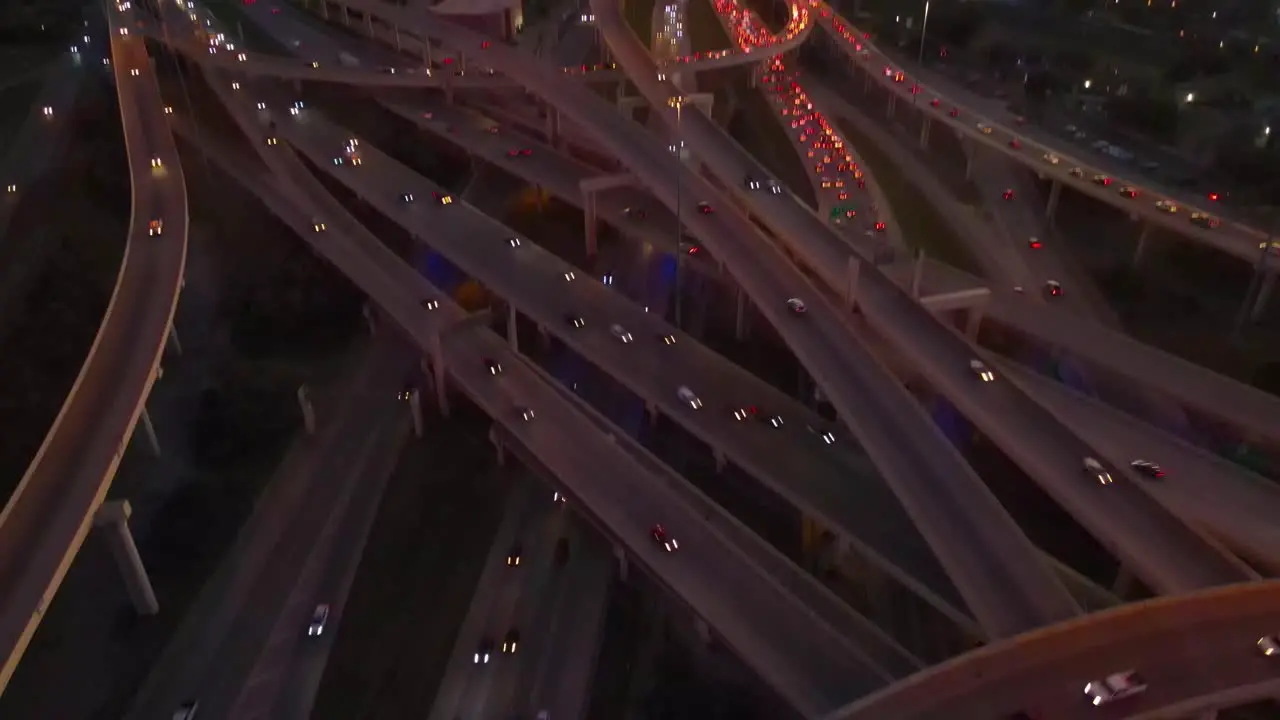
{"x": 553, "y": 127}
{"x": 866, "y": 80}
{"x": 891, "y": 106}
{"x": 651, "y": 410}
{"x": 852, "y": 273}
{"x": 1264, "y": 296}
{"x": 308, "y": 410}
{"x": 1124, "y": 582}
{"x": 925, "y": 126}
{"x": 512, "y": 338}
{"x": 368, "y": 19}
{"x": 621, "y": 555}
{"x": 740, "y": 318}
{"x": 174, "y": 343}
{"x": 370, "y": 317}
{"x": 701, "y": 627}
{"x": 437, "y": 374}
{"x": 346, "y": 16}
{"x": 720, "y": 459}
{"x": 498, "y": 445}
{"x": 592, "y": 224}
{"x": 968, "y": 159}
{"x": 544, "y": 337}
{"x": 113, "y": 518}
{"x": 395, "y": 29}
{"x": 917, "y": 273}
{"x": 1055, "y": 192}
{"x": 324, "y": 9}
{"x": 415, "y": 411}
{"x": 973, "y": 320}
{"x": 150, "y": 430}
{"x": 426, "y": 50}
{"x": 1141, "y": 248}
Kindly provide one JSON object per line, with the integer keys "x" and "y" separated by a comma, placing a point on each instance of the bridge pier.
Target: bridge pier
{"x": 1050, "y": 208}
{"x": 917, "y": 274}
{"x": 720, "y": 459}
{"x": 415, "y": 412}
{"x": 1141, "y": 248}
{"x": 1123, "y": 583}
{"x": 925, "y": 126}
{"x": 891, "y": 106}
{"x": 852, "y": 273}
{"x": 968, "y": 149}
{"x": 368, "y": 19}
{"x": 346, "y": 16}
{"x": 113, "y": 518}
{"x": 621, "y": 555}
{"x": 370, "y": 317}
{"x": 973, "y": 320}
{"x": 1264, "y": 296}
{"x": 512, "y": 335}
{"x": 174, "y": 343}
{"x": 592, "y": 223}
{"x": 740, "y": 318}
{"x": 498, "y": 445}
{"x": 395, "y": 31}
{"x": 152, "y": 441}
{"x": 553, "y": 127}
{"x": 651, "y": 410}
{"x": 703, "y": 630}
{"x": 437, "y": 367}
{"x": 308, "y": 410}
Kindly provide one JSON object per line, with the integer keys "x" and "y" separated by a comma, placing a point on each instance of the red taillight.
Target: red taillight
{"x": 880, "y": 226}
{"x": 1213, "y": 196}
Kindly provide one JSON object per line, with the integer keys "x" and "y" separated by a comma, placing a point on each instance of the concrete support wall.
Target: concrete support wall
{"x": 113, "y": 519}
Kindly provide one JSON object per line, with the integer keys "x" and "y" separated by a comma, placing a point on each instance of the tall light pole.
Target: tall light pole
{"x": 924, "y": 25}
{"x": 677, "y": 102}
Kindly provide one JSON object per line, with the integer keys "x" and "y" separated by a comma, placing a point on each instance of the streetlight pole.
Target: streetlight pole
{"x": 677, "y": 102}
{"x": 924, "y": 26}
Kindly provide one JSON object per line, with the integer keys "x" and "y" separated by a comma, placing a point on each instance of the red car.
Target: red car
{"x": 665, "y": 541}
{"x": 705, "y": 208}
{"x": 955, "y": 112}
{"x": 519, "y": 152}
{"x": 935, "y": 102}
{"x": 1015, "y": 144}
{"x": 1007, "y": 194}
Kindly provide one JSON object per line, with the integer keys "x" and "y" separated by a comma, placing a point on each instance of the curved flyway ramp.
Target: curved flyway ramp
{"x": 800, "y": 654}
{"x": 1196, "y": 652}
{"x": 999, "y": 573}
{"x": 1167, "y": 554}
{"x": 1231, "y": 237}
{"x": 48, "y": 516}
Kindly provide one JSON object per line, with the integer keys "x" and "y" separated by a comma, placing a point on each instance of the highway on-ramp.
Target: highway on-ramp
{"x": 48, "y": 516}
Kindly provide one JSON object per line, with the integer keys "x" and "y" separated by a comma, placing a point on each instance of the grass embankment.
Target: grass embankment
{"x": 923, "y": 226}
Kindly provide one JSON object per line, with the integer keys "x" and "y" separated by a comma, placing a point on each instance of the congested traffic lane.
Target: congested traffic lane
{"x": 1196, "y": 653}
{"x": 798, "y": 459}
{"x": 1043, "y": 153}
{"x": 1139, "y": 531}
{"x": 775, "y": 633}
{"x": 48, "y": 516}
{"x": 887, "y": 420}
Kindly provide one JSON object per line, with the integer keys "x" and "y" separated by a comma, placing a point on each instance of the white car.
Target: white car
{"x": 1051, "y": 158}
{"x": 319, "y": 617}
{"x": 981, "y": 370}
{"x": 984, "y": 129}
{"x": 526, "y": 414}
{"x": 689, "y": 398}
{"x": 796, "y": 305}
{"x": 1269, "y": 645}
{"x": 1095, "y": 469}
{"x": 621, "y": 333}
{"x": 1167, "y": 206}
{"x": 1116, "y": 686}
{"x": 318, "y": 226}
